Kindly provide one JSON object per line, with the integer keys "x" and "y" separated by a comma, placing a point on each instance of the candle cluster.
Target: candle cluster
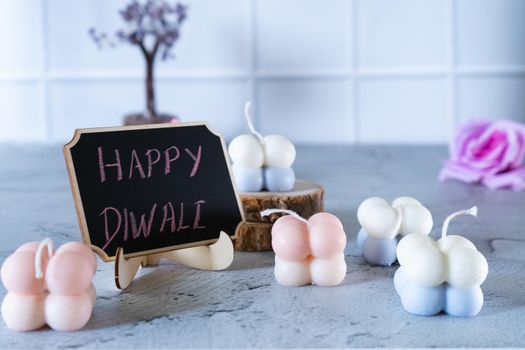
{"x": 308, "y": 251}
{"x": 262, "y": 162}
{"x": 384, "y": 224}
{"x": 443, "y": 275}
{"x": 48, "y": 288}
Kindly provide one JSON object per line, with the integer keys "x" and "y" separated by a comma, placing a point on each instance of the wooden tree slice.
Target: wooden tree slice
{"x": 306, "y": 199}
{"x": 254, "y": 236}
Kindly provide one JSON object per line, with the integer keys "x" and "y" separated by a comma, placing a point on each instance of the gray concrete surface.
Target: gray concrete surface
{"x": 174, "y": 306}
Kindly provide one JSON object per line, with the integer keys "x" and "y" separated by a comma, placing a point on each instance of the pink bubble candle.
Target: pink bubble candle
{"x": 308, "y": 251}
{"x": 46, "y": 287}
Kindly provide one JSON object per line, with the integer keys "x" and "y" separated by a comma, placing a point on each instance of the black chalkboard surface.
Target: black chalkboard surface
{"x": 151, "y": 188}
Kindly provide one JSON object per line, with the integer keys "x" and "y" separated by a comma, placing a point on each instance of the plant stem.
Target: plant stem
{"x": 150, "y": 93}
{"x": 149, "y": 57}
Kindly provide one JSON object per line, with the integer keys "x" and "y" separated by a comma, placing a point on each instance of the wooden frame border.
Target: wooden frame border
{"x": 78, "y": 200}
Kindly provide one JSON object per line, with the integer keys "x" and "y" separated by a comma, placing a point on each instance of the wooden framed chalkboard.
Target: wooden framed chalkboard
{"x": 151, "y": 188}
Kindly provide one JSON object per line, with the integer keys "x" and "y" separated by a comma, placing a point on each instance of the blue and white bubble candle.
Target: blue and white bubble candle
{"x": 443, "y": 275}
{"x": 384, "y": 224}
{"x": 262, "y": 162}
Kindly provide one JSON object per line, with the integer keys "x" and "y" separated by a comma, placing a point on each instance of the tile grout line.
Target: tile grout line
{"x": 452, "y": 79}
{"x": 364, "y": 73}
{"x": 43, "y": 80}
{"x": 253, "y": 65}
{"x": 354, "y": 69}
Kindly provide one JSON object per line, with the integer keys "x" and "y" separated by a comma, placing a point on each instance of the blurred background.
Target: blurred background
{"x": 361, "y": 71}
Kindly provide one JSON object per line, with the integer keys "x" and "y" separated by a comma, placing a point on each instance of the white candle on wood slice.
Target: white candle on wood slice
{"x": 262, "y": 162}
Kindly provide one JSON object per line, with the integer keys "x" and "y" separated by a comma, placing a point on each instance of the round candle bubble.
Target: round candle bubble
{"x": 417, "y": 299}
{"x": 376, "y": 251}
{"x": 278, "y": 179}
{"x": 82, "y": 249}
{"x": 68, "y": 273}
{"x": 246, "y": 151}
{"x": 293, "y": 246}
{"x": 18, "y": 273}
{"x": 68, "y": 312}
{"x": 24, "y": 312}
{"x": 279, "y": 152}
{"x": 383, "y": 225}
{"x": 248, "y": 179}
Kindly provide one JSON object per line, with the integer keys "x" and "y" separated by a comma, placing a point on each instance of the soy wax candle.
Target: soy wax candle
{"x": 47, "y": 287}
{"x": 384, "y": 224}
{"x": 443, "y": 275}
{"x": 262, "y": 162}
{"x": 308, "y": 251}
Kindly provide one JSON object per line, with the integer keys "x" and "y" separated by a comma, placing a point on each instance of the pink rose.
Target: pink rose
{"x": 490, "y": 153}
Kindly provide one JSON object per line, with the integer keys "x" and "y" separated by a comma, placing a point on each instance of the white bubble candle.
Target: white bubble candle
{"x": 262, "y": 162}
{"x": 443, "y": 275}
{"x": 383, "y": 224}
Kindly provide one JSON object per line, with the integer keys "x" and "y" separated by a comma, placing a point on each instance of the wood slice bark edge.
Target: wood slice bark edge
{"x": 255, "y": 234}
{"x": 306, "y": 199}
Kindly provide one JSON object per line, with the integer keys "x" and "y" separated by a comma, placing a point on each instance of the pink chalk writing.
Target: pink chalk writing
{"x": 151, "y": 162}
{"x": 198, "y": 215}
{"x": 196, "y": 158}
{"x": 171, "y": 218}
{"x": 102, "y": 166}
{"x": 169, "y": 160}
{"x": 149, "y": 223}
{"x": 181, "y": 218}
{"x": 125, "y": 224}
{"x": 141, "y": 228}
{"x": 109, "y": 237}
{"x": 135, "y": 163}
{"x": 142, "y": 166}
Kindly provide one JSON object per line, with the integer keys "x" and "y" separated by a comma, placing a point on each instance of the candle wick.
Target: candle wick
{"x": 247, "y": 115}
{"x": 285, "y": 211}
{"x": 38, "y": 256}
{"x": 472, "y": 211}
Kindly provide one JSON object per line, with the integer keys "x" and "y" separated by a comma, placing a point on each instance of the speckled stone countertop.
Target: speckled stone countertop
{"x": 243, "y": 306}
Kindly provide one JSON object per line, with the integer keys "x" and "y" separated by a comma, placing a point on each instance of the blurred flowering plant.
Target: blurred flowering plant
{"x": 490, "y": 153}
{"x": 154, "y": 27}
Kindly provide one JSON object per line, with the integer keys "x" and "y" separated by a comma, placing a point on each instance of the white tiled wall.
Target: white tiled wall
{"x": 402, "y": 71}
